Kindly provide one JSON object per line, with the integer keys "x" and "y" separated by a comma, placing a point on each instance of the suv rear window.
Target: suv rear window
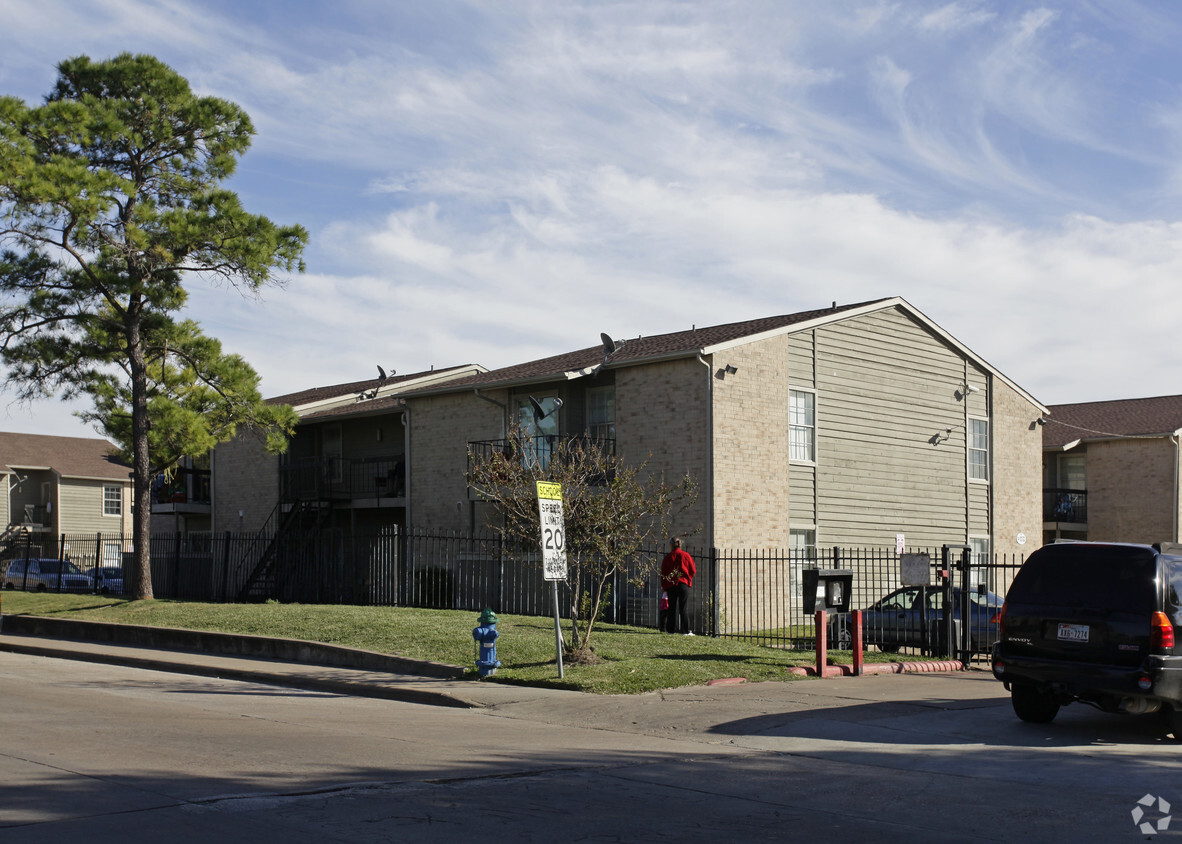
{"x": 1105, "y": 577}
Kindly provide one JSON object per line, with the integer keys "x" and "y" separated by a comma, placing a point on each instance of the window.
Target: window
{"x": 802, "y": 426}
{"x": 979, "y": 573}
{"x": 802, "y": 546}
{"x": 538, "y": 434}
{"x": 112, "y": 501}
{"x": 601, "y": 413}
{"x": 979, "y": 449}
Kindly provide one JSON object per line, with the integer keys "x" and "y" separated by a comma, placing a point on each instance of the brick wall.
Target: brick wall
{"x": 751, "y": 446}
{"x": 245, "y": 478}
{"x": 440, "y": 429}
{"x": 1017, "y": 472}
{"x": 663, "y": 417}
{"x": 1130, "y": 490}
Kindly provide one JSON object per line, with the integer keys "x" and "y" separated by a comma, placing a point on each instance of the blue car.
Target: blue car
{"x": 897, "y": 620}
{"x": 109, "y": 580}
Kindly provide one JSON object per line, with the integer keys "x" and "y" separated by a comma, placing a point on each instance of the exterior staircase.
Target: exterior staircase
{"x": 303, "y": 517}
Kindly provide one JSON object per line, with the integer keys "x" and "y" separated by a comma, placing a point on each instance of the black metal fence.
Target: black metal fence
{"x": 752, "y": 595}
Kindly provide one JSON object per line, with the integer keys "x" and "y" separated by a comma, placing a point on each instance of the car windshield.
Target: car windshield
{"x": 981, "y": 599}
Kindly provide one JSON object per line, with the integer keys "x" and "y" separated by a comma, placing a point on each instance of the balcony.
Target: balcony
{"x": 188, "y": 491}
{"x": 540, "y": 451}
{"x": 1065, "y": 506}
{"x": 339, "y": 479}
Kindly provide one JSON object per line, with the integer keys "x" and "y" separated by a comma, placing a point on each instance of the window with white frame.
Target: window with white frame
{"x": 979, "y": 449}
{"x": 802, "y": 426}
{"x": 112, "y": 501}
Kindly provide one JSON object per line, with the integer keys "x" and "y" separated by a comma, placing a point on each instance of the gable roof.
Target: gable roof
{"x": 1103, "y": 420}
{"x": 70, "y": 457}
{"x": 370, "y": 396}
{"x": 699, "y": 341}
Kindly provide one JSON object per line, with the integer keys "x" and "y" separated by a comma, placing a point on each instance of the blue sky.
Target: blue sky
{"x": 492, "y": 182}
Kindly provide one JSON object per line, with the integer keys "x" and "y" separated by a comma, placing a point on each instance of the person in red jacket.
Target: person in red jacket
{"x": 677, "y": 576}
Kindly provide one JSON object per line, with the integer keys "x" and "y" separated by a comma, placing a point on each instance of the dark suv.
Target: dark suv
{"x": 1093, "y": 622}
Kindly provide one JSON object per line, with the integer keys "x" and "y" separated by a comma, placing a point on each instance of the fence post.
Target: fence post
{"x": 716, "y": 613}
{"x": 176, "y": 567}
{"x": 226, "y": 570}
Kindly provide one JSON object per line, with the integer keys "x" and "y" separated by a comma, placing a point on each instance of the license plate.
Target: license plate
{"x": 1074, "y": 632}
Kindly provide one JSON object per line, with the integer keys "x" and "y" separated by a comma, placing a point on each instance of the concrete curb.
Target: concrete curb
{"x": 226, "y": 644}
{"x": 883, "y": 668}
{"x": 263, "y": 674}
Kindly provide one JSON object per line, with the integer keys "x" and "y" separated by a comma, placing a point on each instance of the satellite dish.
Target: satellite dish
{"x": 540, "y": 413}
{"x": 609, "y": 345}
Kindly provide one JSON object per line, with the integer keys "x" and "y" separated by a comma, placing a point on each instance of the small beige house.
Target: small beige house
{"x": 854, "y": 426}
{"x": 1111, "y": 471}
{"x": 60, "y": 486}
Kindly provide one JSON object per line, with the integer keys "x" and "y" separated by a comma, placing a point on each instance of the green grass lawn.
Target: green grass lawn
{"x": 634, "y": 659}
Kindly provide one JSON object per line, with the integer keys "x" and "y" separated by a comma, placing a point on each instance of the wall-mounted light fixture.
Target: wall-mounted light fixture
{"x": 963, "y": 390}
{"x": 941, "y": 436}
{"x": 731, "y": 369}
{"x": 1040, "y": 421}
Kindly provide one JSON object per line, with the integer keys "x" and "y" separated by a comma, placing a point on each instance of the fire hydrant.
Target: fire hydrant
{"x": 486, "y": 643}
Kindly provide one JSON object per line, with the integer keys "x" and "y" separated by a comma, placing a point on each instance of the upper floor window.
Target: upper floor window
{"x": 979, "y": 449}
{"x": 601, "y": 413}
{"x": 112, "y": 501}
{"x": 538, "y": 432}
{"x": 802, "y": 426}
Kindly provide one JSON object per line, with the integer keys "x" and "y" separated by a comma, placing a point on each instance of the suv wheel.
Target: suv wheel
{"x": 1033, "y": 705}
{"x": 1174, "y": 722}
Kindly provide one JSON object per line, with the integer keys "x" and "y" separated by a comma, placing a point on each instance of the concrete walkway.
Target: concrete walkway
{"x": 708, "y": 712}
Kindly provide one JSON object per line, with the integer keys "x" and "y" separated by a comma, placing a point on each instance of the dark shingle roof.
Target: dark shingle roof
{"x": 639, "y": 349}
{"x": 1159, "y": 416}
{"x": 334, "y": 391}
{"x": 77, "y": 457}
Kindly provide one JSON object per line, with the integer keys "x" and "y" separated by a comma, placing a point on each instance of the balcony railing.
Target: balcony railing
{"x": 339, "y": 479}
{"x": 539, "y": 451}
{"x": 187, "y": 486}
{"x": 1065, "y": 505}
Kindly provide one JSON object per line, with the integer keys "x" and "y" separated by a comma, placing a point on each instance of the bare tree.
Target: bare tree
{"x": 612, "y": 510}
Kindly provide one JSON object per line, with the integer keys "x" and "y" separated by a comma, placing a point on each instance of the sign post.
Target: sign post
{"x": 553, "y": 550}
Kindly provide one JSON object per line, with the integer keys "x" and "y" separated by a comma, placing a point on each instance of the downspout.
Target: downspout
{"x": 481, "y": 395}
{"x": 989, "y": 408}
{"x": 1174, "y": 438}
{"x": 708, "y": 484}
{"x": 406, "y": 465}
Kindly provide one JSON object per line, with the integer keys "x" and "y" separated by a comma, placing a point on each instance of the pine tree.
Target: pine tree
{"x": 110, "y": 203}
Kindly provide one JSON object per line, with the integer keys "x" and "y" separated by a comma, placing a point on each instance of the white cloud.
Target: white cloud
{"x": 956, "y": 16}
{"x": 639, "y": 168}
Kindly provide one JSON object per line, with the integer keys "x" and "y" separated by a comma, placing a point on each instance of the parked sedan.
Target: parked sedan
{"x": 44, "y": 574}
{"x": 897, "y": 619}
{"x": 109, "y": 580}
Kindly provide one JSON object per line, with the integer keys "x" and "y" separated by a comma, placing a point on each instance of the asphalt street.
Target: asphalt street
{"x": 116, "y": 753}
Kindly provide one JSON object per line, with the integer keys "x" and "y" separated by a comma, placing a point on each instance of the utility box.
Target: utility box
{"x": 827, "y": 589}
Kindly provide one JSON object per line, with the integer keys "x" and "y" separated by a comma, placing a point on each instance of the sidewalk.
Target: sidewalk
{"x": 705, "y": 712}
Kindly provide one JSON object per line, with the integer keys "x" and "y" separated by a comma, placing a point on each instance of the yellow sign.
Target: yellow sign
{"x": 549, "y": 491}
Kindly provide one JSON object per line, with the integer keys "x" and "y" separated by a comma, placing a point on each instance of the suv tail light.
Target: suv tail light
{"x": 1163, "y": 632}
{"x": 1000, "y": 618}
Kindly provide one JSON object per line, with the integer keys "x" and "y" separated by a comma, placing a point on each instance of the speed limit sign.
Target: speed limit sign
{"x": 553, "y": 530}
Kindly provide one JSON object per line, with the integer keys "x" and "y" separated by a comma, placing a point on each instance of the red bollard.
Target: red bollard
{"x": 856, "y": 641}
{"x": 822, "y": 644}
